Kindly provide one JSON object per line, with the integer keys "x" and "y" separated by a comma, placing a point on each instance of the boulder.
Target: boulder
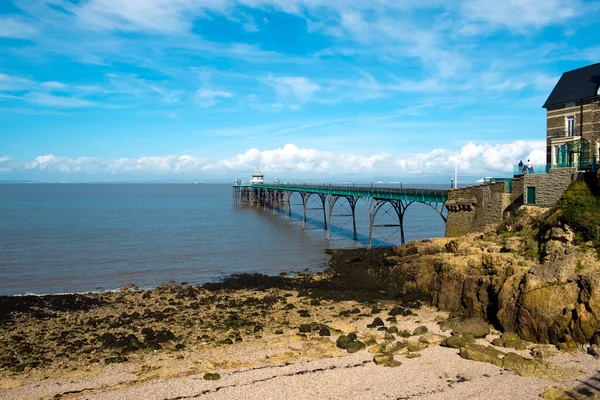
{"x": 382, "y": 358}
{"x": 420, "y": 330}
{"x": 432, "y": 339}
{"x": 343, "y": 341}
{"x": 475, "y": 327}
{"x": 353, "y": 347}
{"x": 477, "y": 352}
{"x": 456, "y": 342}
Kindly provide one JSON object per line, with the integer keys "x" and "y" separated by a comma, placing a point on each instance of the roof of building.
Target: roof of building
{"x": 581, "y": 83}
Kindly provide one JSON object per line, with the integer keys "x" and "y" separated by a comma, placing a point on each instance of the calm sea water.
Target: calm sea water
{"x": 57, "y": 238}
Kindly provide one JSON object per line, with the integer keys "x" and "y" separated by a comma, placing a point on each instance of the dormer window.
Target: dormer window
{"x": 571, "y": 125}
{"x": 570, "y": 104}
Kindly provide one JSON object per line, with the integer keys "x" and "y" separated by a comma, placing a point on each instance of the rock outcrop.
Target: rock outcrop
{"x": 550, "y": 295}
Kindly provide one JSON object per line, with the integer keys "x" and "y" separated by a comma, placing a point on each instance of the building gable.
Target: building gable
{"x": 578, "y": 84}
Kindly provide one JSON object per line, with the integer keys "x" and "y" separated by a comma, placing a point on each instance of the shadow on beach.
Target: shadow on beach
{"x": 588, "y": 388}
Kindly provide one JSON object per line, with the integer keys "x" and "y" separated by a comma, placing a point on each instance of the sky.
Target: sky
{"x": 210, "y": 90}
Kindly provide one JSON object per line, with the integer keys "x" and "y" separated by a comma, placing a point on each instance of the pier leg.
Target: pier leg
{"x": 331, "y": 202}
{"x": 323, "y": 197}
{"x": 371, "y": 222}
{"x": 353, "y": 201}
{"x": 304, "y": 204}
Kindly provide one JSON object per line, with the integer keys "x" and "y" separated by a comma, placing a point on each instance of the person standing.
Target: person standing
{"x": 529, "y": 166}
{"x": 521, "y": 167}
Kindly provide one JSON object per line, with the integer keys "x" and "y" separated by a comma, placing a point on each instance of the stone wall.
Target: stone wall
{"x": 476, "y": 208}
{"x": 549, "y": 187}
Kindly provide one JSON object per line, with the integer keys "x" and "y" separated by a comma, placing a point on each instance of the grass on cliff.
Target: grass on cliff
{"x": 579, "y": 208}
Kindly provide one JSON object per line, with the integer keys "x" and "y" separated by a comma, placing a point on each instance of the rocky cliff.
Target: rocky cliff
{"x": 545, "y": 289}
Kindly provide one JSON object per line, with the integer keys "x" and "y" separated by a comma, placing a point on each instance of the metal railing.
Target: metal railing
{"x": 420, "y": 195}
{"x": 533, "y": 170}
{"x": 562, "y": 132}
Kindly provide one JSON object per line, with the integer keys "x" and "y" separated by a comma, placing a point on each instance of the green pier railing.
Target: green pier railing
{"x": 420, "y": 195}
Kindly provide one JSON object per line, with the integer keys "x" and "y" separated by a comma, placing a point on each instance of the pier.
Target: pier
{"x": 276, "y": 197}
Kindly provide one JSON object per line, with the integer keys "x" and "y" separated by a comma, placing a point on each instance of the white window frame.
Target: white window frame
{"x": 571, "y": 125}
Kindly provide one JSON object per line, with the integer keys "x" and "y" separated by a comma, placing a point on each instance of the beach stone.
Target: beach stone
{"x": 473, "y": 326}
{"x": 375, "y": 349}
{"x": 420, "y": 330}
{"x": 519, "y": 365}
{"x": 324, "y": 331}
{"x": 353, "y": 347}
{"x": 352, "y": 336}
{"x": 510, "y": 340}
{"x": 477, "y": 352}
{"x": 257, "y": 328}
{"x": 393, "y": 364}
{"x": 355, "y": 311}
{"x": 212, "y": 376}
{"x": 404, "y": 333}
{"x": 405, "y": 312}
{"x": 392, "y": 329}
{"x": 315, "y": 302}
{"x": 414, "y": 347}
{"x": 378, "y": 322}
{"x": 343, "y": 341}
{"x": 387, "y": 360}
{"x": 456, "y": 342}
{"x": 543, "y": 351}
{"x": 382, "y": 358}
{"x": 114, "y": 360}
{"x": 432, "y": 339}
{"x": 279, "y": 332}
{"x": 412, "y": 355}
{"x": 305, "y": 328}
{"x": 391, "y": 320}
{"x": 375, "y": 310}
{"x": 594, "y": 350}
{"x": 389, "y": 337}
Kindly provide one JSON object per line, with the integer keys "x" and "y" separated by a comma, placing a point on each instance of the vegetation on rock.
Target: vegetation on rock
{"x": 579, "y": 209}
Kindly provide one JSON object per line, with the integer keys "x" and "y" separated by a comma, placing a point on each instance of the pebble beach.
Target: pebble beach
{"x": 268, "y": 338}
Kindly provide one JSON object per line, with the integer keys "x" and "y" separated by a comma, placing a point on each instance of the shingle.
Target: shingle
{"x": 581, "y": 83}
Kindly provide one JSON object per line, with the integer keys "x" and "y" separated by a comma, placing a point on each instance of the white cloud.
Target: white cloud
{"x": 519, "y": 14}
{"x": 164, "y": 16}
{"x": 296, "y": 89}
{"x": 50, "y": 100}
{"x": 9, "y": 83}
{"x": 12, "y": 27}
{"x": 53, "y": 85}
{"x": 208, "y": 97}
{"x": 291, "y": 161}
{"x": 132, "y": 85}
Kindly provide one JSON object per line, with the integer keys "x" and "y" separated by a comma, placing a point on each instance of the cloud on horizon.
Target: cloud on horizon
{"x": 286, "y": 163}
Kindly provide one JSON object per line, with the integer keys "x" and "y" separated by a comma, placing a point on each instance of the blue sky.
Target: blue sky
{"x": 303, "y": 89}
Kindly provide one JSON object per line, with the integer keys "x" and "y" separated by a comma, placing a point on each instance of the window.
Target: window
{"x": 570, "y": 104}
{"x": 570, "y": 125}
{"x": 556, "y": 151}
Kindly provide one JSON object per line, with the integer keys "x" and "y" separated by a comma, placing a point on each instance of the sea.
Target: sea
{"x": 71, "y": 238}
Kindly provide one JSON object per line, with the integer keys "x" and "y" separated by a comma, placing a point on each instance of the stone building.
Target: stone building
{"x": 573, "y": 120}
{"x": 572, "y": 149}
